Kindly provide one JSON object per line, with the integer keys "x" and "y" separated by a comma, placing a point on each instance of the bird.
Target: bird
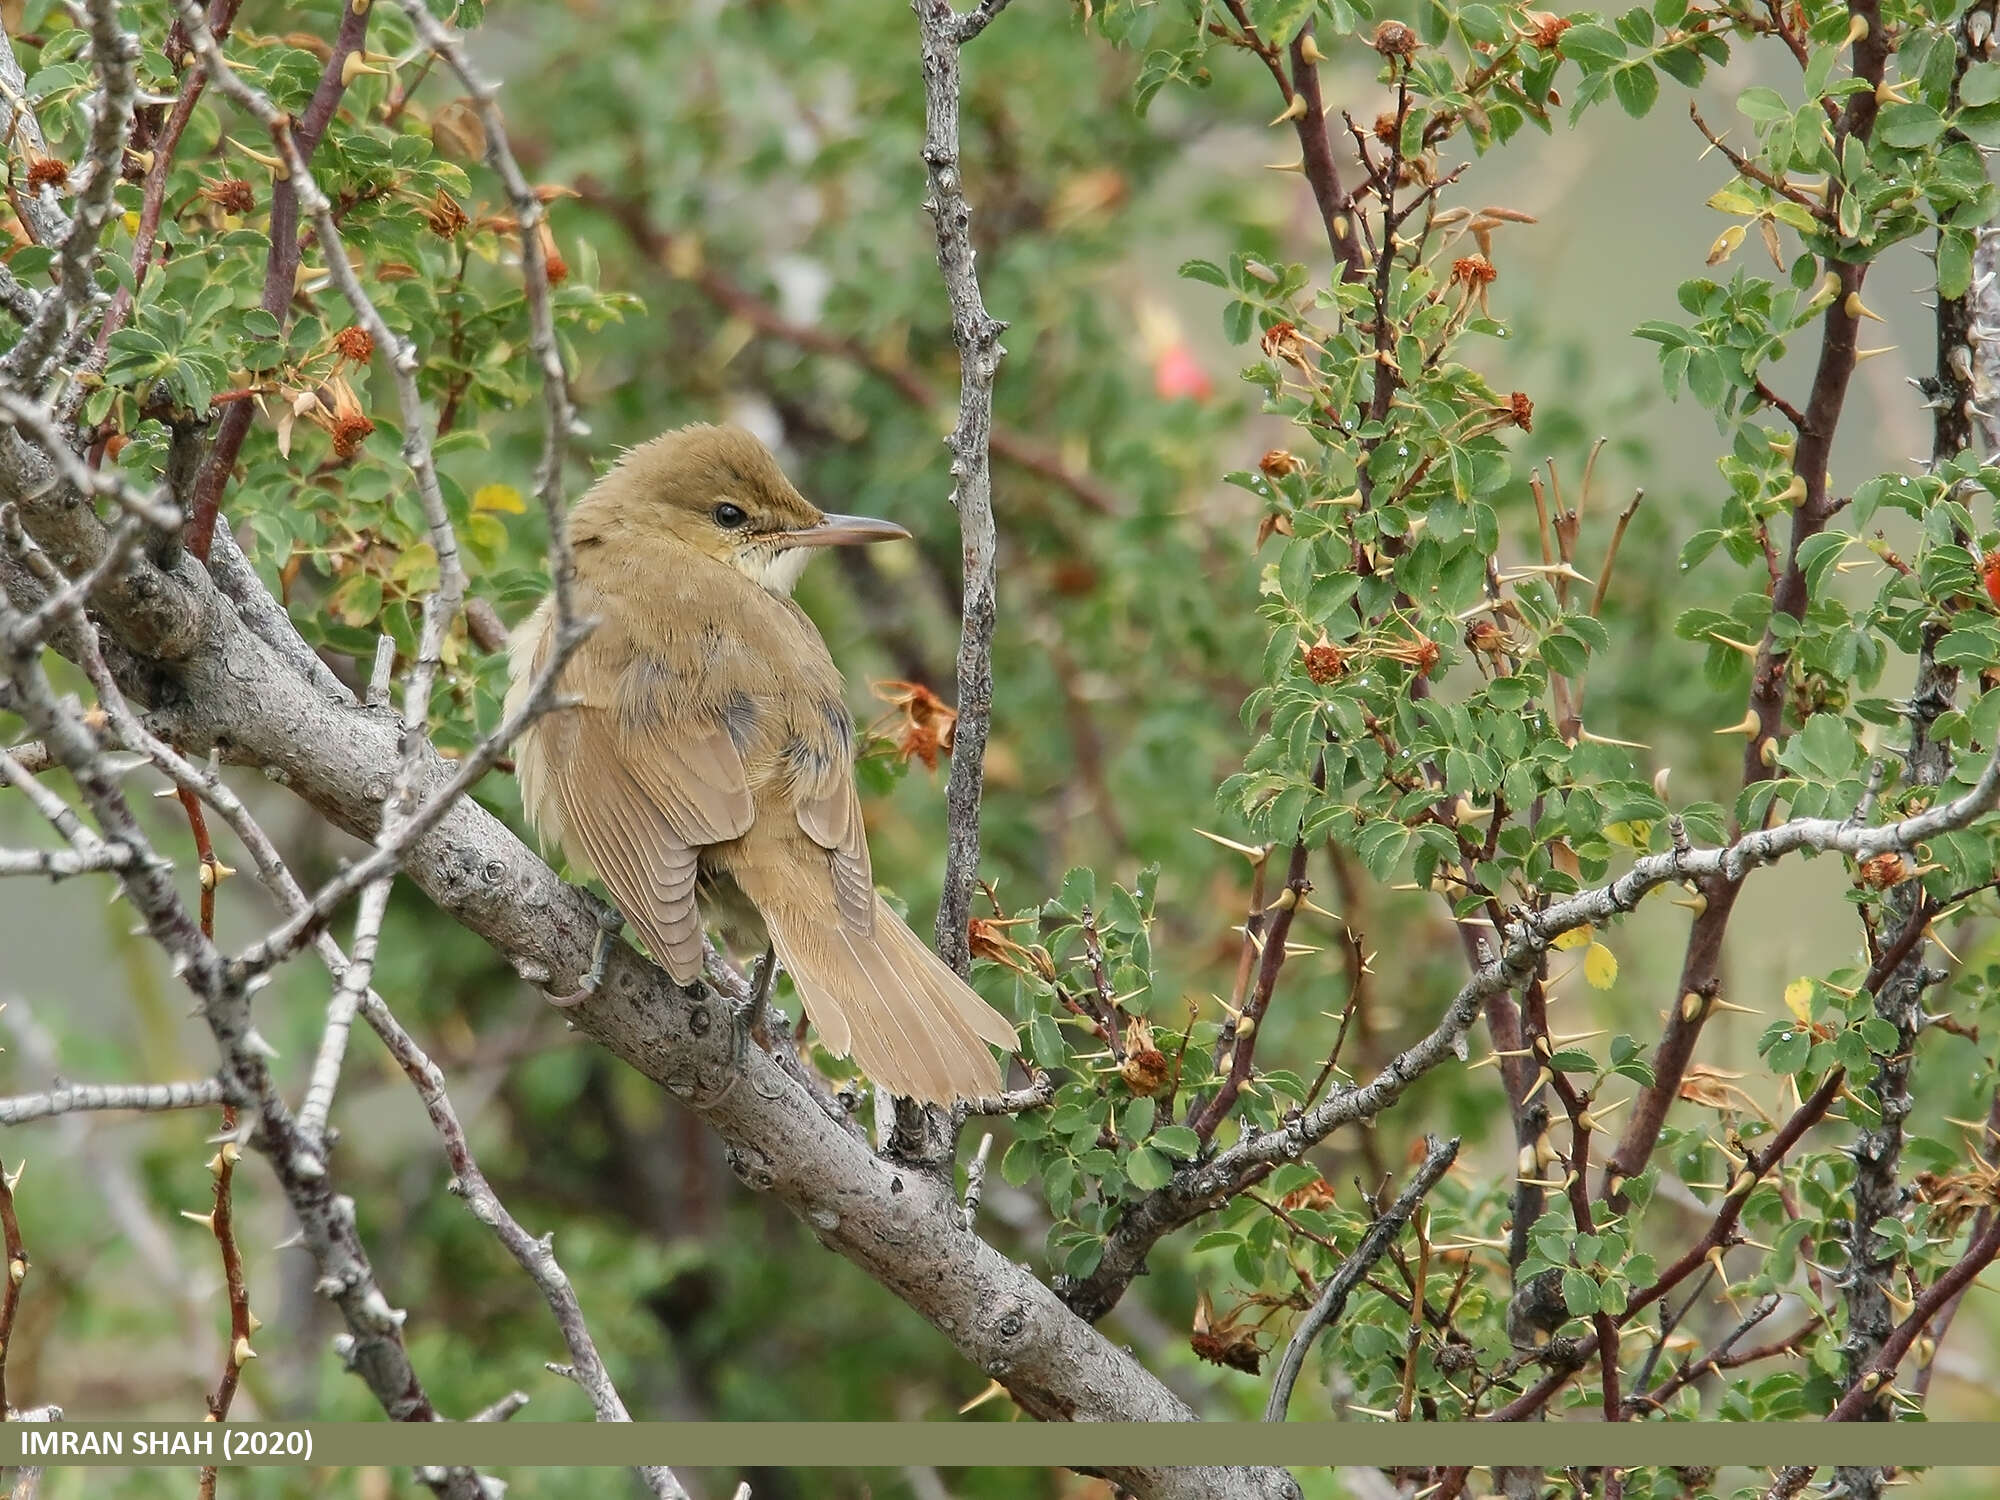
{"x": 700, "y": 759}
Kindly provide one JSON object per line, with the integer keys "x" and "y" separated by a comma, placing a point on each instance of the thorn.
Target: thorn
{"x": 1861, "y": 354}
{"x": 994, "y": 1388}
{"x": 1748, "y": 725}
{"x": 1293, "y": 111}
{"x": 1605, "y": 739}
{"x": 207, "y": 1221}
{"x": 1734, "y": 645}
{"x": 1854, "y": 307}
{"x": 1256, "y": 854}
{"x": 1286, "y": 166}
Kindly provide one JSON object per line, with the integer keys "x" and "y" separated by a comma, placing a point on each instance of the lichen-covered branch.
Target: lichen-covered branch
{"x": 977, "y": 335}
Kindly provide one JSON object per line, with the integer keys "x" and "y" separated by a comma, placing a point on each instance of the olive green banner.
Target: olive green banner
{"x": 997, "y": 1444}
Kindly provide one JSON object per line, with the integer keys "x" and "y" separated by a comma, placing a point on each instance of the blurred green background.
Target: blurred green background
{"x": 748, "y": 172}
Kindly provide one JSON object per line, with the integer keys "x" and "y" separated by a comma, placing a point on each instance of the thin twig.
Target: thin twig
{"x": 80, "y": 1098}
{"x": 1375, "y": 1243}
{"x": 978, "y": 338}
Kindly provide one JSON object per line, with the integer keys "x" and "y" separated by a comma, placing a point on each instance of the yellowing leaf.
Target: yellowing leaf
{"x": 499, "y": 497}
{"x": 1600, "y": 966}
{"x": 1637, "y": 834}
{"x": 1576, "y": 937}
{"x": 1798, "y": 1000}
{"x": 417, "y": 568}
{"x": 1734, "y": 201}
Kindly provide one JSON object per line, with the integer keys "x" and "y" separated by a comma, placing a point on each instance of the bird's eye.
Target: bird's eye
{"x": 729, "y": 517}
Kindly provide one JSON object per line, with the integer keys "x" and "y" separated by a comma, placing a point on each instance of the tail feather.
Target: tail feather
{"x": 908, "y": 1021}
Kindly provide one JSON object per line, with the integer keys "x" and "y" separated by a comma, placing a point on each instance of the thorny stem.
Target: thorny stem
{"x": 17, "y": 1271}
{"x": 1701, "y": 965}
{"x": 222, "y": 1223}
{"x": 281, "y": 266}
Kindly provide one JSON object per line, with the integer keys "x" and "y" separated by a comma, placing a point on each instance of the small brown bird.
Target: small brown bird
{"x": 709, "y": 754}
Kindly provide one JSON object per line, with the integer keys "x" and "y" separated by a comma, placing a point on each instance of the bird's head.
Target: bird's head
{"x": 719, "y": 492}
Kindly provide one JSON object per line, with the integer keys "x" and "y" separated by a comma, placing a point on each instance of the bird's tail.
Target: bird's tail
{"x": 910, "y": 1023}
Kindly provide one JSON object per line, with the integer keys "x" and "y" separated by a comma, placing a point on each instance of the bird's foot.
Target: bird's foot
{"x": 610, "y": 920}
{"x": 760, "y": 989}
{"x": 749, "y": 1017}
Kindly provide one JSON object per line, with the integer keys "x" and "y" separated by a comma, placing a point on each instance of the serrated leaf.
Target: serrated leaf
{"x": 1148, "y": 1169}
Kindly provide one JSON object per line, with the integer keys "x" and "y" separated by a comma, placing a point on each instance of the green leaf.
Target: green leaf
{"x": 1179, "y": 1140}
{"x": 1204, "y": 270}
{"x": 1637, "y": 88}
{"x": 1278, "y": 21}
{"x": 1909, "y": 126}
{"x": 1590, "y": 44}
{"x": 1954, "y": 260}
{"x": 1980, "y": 85}
{"x": 1580, "y": 1293}
{"x": 1763, "y": 105}
{"x": 1148, "y": 1169}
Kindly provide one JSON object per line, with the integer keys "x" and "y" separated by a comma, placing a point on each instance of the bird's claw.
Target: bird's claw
{"x": 609, "y": 922}
{"x": 749, "y": 1016}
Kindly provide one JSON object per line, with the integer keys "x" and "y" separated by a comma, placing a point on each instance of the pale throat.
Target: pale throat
{"x": 774, "y": 568}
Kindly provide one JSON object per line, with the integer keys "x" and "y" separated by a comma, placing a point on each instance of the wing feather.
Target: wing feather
{"x": 623, "y": 833}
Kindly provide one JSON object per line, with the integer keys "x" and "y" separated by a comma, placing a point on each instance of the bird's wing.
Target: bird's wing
{"x": 641, "y": 794}
{"x": 829, "y": 810}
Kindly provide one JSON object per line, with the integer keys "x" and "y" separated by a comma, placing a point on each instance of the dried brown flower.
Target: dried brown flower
{"x": 1472, "y": 270}
{"x": 1278, "y": 463}
{"x": 446, "y": 219}
{"x": 1144, "y": 1069}
{"x": 1324, "y": 661}
{"x": 1283, "y": 341}
{"x": 927, "y": 721}
{"x": 1543, "y": 30}
{"x": 986, "y": 937}
{"x": 1957, "y": 1196}
{"x": 1317, "y": 1194}
{"x": 1395, "y": 40}
{"x": 335, "y": 408}
{"x": 46, "y": 171}
{"x": 1422, "y": 653}
{"x": 558, "y": 268}
{"x": 1880, "y": 871}
{"x": 1522, "y": 411}
{"x": 230, "y": 194}
{"x": 1220, "y": 1341}
{"x": 355, "y": 343}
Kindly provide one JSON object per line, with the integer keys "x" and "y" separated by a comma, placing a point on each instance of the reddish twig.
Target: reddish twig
{"x": 280, "y": 270}
{"x": 17, "y": 1272}
{"x": 153, "y": 195}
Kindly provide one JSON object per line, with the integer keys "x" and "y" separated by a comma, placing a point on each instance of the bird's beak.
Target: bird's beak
{"x": 842, "y": 531}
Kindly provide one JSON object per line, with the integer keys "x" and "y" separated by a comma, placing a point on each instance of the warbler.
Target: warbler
{"x": 702, "y": 765}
